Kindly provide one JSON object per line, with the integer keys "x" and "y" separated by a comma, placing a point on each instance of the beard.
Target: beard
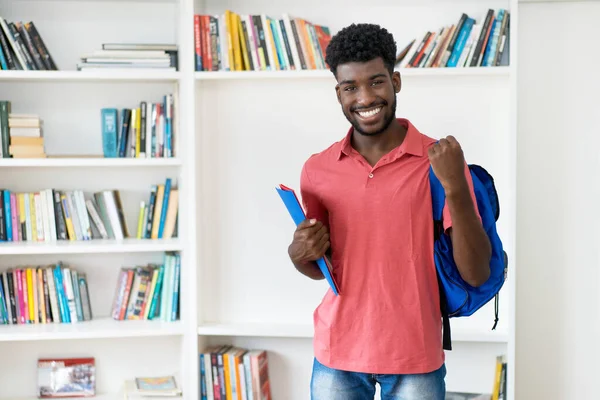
{"x": 389, "y": 118}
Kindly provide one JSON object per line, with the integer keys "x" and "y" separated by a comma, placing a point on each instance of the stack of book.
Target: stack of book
{"x": 229, "y": 372}
{"x": 245, "y": 42}
{"x": 22, "y": 47}
{"x": 131, "y": 56}
{"x": 145, "y": 130}
{"x": 149, "y": 292}
{"x": 157, "y": 218}
{"x": 26, "y": 141}
{"x": 470, "y": 42}
{"x": 48, "y": 215}
{"x": 55, "y": 293}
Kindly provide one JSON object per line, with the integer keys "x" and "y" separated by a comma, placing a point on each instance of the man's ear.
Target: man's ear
{"x": 337, "y": 93}
{"x": 396, "y": 81}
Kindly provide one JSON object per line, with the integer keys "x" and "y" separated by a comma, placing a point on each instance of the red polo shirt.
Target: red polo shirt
{"x": 387, "y": 319}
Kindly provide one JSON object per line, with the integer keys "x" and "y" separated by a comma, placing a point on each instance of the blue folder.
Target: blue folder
{"x": 290, "y": 200}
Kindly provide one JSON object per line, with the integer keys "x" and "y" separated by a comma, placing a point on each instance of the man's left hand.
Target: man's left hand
{"x": 448, "y": 163}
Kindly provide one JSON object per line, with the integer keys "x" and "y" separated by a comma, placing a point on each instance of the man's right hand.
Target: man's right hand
{"x": 311, "y": 242}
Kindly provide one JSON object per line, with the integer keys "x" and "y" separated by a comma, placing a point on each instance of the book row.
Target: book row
{"x": 44, "y": 294}
{"x": 146, "y": 131}
{"x": 467, "y": 43}
{"x": 20, "y": 134}
{"x": 131, "y": 56}
{"x": 158, "y": 216}
{"x": 49, "y": 215}
{"x": 246, "y": 42}
{"x": 148, "y": 292}
{"x": 22, "y": 47}
{"x": 232, "y": 373}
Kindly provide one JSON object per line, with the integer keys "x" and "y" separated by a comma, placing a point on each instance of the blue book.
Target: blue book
{"x": 109, "y": 132}
{"x": 289, "y": 198}
{"x": 165, "y": 208}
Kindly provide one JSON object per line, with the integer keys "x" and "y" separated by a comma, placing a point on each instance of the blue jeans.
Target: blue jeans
{"x": 332, "y": 384}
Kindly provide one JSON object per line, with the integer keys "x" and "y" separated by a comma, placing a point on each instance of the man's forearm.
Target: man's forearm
{"x": 472, "y": 249}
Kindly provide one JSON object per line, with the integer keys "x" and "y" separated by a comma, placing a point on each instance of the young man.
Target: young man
{"x": 368, "y": 204}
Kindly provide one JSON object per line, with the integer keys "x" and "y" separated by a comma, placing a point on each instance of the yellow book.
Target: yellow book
{"x": 138, "y": 135}
{"x": 496, "y": 388}
{"x": 68, "y": 220}
{"x": 242, "y": 42}
{"x": 228, "y": 391}
{"x": 160, "y": 192}
{"x": 230, "y": 48}
{"x": 33, "y": 217}
{"x": 235, "y": 40}
{"x": 30, "y": 296}
{"x": 140, "y": 228}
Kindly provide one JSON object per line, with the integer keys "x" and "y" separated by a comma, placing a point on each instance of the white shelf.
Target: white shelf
{"x": 306, "y": 331}
{"x": 90, "y": 76}
{"x": 90, "y": 246}
{"x": 88, "y": 162}
{"x": 118, "y": 396}
{"x": 256, "y": 329}
{"x": 324, "y": 73}
{"x": 101, "y": 328}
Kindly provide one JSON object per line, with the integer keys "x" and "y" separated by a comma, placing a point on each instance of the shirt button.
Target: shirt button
{"x": 370, "y": 175}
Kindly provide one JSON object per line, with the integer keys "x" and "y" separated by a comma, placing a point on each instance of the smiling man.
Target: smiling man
{"x": 368, "y": 203}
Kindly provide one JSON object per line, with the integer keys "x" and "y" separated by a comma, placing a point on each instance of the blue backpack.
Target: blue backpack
{"x": 457, "y": 297}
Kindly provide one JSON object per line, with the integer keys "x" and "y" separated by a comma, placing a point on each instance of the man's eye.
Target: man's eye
{"x": 349, "y": 88}
{"x": 377, "y": 82}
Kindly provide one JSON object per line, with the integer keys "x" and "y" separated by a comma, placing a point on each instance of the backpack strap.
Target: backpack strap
{"x": 438, "y": 199}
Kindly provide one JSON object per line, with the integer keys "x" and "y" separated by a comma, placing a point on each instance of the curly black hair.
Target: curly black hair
{"x": 360, "y": 43}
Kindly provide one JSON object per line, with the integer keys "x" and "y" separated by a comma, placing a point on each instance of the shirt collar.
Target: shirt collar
{"x": 412, "y": 143}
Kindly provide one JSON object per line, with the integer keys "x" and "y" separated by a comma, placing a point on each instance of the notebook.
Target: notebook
{"x": 290, "y": 200}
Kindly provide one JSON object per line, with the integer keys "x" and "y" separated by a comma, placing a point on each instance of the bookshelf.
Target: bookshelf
{"x": 256, "y": 128}
{"x": 239, "y": 133}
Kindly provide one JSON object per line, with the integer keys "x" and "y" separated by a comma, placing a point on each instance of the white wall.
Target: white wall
{"x": 558, "y": 281}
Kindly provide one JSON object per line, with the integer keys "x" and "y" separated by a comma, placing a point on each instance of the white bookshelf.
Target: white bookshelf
{"x": 240, "y": 134}
{"x": 68, "y": 103}
{"x": 99, "y": 328}
{"x": 255, "y": 130}
{"x": 77, "y": 162}
{"x": 90, "y": 76}
{"x": 97, "y": 246}
{"x": 296, "y": 330}
{"x": 326, "y": 74}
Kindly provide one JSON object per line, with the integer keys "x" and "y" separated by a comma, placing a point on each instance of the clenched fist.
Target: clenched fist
{"x": 311, "y": 241}
{"x": 448, "y": 163}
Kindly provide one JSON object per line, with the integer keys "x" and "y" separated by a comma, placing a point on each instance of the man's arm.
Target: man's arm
{"x": 311, "y": 238}
{"x": 311, "y": 241}
{"x": 472, "y": 248}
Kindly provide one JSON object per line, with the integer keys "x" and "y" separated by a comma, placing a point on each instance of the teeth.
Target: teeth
{"x": 367, "y": 114}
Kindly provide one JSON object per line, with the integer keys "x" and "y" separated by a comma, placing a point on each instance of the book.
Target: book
{"x": 290, "y": 200}
{"x": 66, "y": 377}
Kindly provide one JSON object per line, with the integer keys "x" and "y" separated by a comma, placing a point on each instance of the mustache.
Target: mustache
{"x": 358, "y": 108}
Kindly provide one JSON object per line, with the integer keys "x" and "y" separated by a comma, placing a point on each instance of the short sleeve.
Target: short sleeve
{"x": 311, "y": 201}
{"x": 446, "y": 216}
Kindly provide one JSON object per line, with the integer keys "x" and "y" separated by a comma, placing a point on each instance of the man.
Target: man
{"x": 368, "y": 204}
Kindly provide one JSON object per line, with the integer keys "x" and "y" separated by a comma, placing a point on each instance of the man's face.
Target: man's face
{"x": 367, "y": 94}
